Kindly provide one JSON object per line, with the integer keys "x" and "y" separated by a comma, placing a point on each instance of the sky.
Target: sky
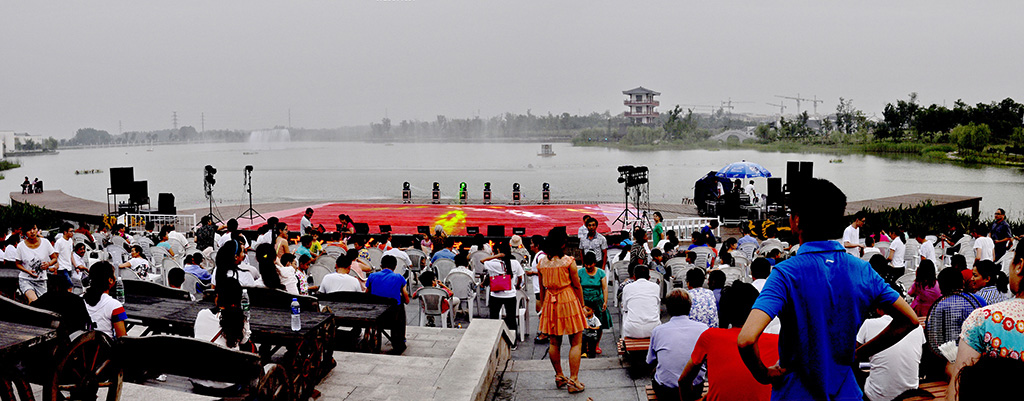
{"x": 67, "y": 65}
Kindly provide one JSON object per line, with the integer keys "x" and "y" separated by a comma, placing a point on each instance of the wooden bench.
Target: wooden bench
{"x": 142, "y": 357}
{"x": 631, "y": 345}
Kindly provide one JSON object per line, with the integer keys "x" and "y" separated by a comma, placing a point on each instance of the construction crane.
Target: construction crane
{"x": 781, "y": 106}
{"x": 727, "y": 104}
{"x": 799, "y": 99}
{"x": 710, "y": 108}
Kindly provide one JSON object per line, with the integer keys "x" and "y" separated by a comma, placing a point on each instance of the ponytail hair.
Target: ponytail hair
{"x": 506, "y": 259}
{"x": 265, "y": 257}
{"x": 100, "y": 275}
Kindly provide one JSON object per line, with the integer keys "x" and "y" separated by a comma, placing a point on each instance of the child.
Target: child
{"x": 316, "y": 247}
{"x": 303, "y": 277}
{"x": 590, "y": 334}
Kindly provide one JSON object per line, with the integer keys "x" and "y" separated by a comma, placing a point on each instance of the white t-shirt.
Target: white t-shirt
{"x": 266, "y": 238}
{"x": 749, "y": 189}
{"x": 253, "y": 270}
{"x": 64, "y": 248}
{"x": 399, "y": 254}
{"x": 304, "y": 226}
{"x": 207, "y": 327}
{"x": 288, "y": 279}
{"x": 927, "y": 251}
{"x": 139, "y": 264}
{"x": 852, "y": 235}
{"x": 336, "y": 282}
{"x": 496, "y": 267}
{"x": 899, "y": 251}
{"x": 77, "y": 274}
{"x": 105, "y": 313}
{"x": 759, "y": 284}
{"x": 11, "y": 253}
{"x": 536, "y": 277}
{"x": 179, "y": 238}
{"x": 893, "y": 370}
{"x": 33, "y": 259}
{"x": 641, "y": 302}
{"x": 245, "y": 279}
{"x": 985, "y": 248}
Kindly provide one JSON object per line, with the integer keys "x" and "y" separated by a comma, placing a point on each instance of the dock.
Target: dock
{"x": 949, "y": 202}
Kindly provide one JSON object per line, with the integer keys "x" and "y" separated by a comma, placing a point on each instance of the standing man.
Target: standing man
{"x": 1000, "y": 233}
{"x": 65, "y": 249}
{"x": 582, "y": 231}
{"x": 305, "y": 225}
{"x": 817, "y": 345}
{"x": 851, "y": 236}
{"x": 596, "y": 243}
{"x": 984, "y": 247}
{"x": 751, "y": 192}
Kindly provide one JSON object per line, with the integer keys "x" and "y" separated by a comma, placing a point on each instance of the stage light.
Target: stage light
{"x": 546, "y": 194}
{"x": 435, "y": 195}
{"x": 210, "y": 171}
{"x": 515, "y": 193}
{"x": 248, "y": 168}
{"x": 487, "y": 193}
{"x": 406, "y": 192}
{"x": 462, "y": 192}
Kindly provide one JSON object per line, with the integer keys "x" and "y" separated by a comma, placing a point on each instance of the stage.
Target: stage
{"x": 405, "y": 218}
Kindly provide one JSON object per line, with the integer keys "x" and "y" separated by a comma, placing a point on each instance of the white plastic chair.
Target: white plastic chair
{"x": 190, "y": 285}
{"x": 442, "y": 267}
{"x": 431, "y": 301}
{"x": 734, "y": 273}
{"x": 464, "y": 287}
{"x": 522, "y": 315}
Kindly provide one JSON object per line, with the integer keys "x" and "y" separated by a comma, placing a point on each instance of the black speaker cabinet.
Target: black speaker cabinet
{"x": 775, "y": 190}
{"x": 121, "y": 180}
{"x": 495, "y": 231}
{"x": 140, "y": 193}
{"x": 165, "y": 203}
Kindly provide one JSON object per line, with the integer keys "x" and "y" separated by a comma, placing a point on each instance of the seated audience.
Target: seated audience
{"x": 305, "y": 242}
{"x": 138, "y": 262}
{"x": 274, "y": 276}
{"x": 947, "y": 315}
{"x": 986, "y": 379}
{"x": 446, "y": 252}
{"x": 728, "y": 378}
{"x": 387, "y": 283}
{"x": 105, "y": 312}
{"x": 229, "y": 259}
{"x": 925, "y": 289}
{"x": 895, "y": 369}
{"x": 341, "y": 279}
{"x": 716, "y": 283}
{"x": 302, "y": 275}
{"x": 703, "y": 307}
{"x": 658, "y": 262}
{"x": 73, "y": 314}
{"x": 429, "y": 280}
{"x": 641, "y": 306}
{"x": 995, "y": 331}
{"x": 225, "y": 324}
{"x": 760, "y": 268}
{"x": 989, "y": 283}
{"x": 672, "y": 343}
{"x": 195, "y": 268}
{"x": 881, "y": 266}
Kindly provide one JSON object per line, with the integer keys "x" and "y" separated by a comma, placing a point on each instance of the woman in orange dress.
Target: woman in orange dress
{"x": 563, "y": 307}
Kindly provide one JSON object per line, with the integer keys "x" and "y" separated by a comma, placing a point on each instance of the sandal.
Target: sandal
{"x": 561, "y": 381}
{"x": 575, "y": 386}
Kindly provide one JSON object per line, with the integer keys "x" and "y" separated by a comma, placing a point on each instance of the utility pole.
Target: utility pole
{"x": 174, "y": 117}
{"x": 202, "y": 124}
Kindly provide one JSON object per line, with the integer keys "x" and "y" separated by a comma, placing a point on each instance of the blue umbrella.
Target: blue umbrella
{"x": 743, "y": 169}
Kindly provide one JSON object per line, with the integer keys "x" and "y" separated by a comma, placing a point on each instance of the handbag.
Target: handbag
{"x": 501, "y": 282}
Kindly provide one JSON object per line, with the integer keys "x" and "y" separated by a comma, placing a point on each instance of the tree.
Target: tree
{"x": 972, "y": 137}
{"x": 90, "y": 136}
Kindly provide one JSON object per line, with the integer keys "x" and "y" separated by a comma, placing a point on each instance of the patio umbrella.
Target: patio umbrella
{"x": 743, "y": 169}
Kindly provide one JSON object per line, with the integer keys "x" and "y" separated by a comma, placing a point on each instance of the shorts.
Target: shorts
{"x": 39, "y": 286}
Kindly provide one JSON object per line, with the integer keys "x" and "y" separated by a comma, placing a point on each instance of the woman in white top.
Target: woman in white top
{"x": 106, "y": 313}
{"x": 138, "y": 262}
{"x": 225, "y": 324}
{"x": 36, "y": 256}
{"x": 498, "y": 265}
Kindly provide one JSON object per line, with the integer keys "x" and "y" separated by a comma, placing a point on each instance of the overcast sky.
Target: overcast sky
{"x": 68, "y": 65}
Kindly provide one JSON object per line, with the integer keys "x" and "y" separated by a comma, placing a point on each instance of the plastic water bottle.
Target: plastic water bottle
{"x": 245, "y": 303}
{"x": 119, "y": 290}
{"x": 296, "y": 323}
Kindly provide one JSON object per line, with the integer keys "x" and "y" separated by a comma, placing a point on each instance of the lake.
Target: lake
{"x": 341, "y": 171}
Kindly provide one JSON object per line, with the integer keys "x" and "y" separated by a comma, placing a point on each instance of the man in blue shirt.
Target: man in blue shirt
{"x": 387, "y": 283}
{"x": 445, "y": 253}
{"x": 822, "y": 295}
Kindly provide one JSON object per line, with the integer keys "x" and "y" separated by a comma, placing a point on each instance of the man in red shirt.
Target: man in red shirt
{"x": 730, "y": 379}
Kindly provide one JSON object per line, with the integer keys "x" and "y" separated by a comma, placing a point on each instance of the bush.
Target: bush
{"x": 973, "y": 137}
{"x": 18, "y": 214}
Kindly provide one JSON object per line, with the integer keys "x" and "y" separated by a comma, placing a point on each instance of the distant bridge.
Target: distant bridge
{"x": 740, "y": 135}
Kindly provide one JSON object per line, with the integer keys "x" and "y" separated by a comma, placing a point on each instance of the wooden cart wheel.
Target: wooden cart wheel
{"x": 274, "y": 385}
{"x": 83, "y": 367}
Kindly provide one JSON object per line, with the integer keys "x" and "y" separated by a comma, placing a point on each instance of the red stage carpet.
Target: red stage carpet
{"x": 404, "y": 219}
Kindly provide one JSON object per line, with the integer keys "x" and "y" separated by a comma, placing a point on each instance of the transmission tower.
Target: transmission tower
{"x": 174, "y": 117}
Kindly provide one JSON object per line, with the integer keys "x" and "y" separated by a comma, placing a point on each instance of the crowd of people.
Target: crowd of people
{"x": 806, "y": 311}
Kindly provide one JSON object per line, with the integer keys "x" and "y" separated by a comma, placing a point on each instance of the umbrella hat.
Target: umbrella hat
{"x": 743, "y": 169}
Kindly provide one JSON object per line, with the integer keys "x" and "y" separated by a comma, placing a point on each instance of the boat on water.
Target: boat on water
{"x": 546, "y": 151}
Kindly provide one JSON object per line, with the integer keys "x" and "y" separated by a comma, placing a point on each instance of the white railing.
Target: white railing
{"x": 137, "y": 222}
{"x": 684, "y": 226}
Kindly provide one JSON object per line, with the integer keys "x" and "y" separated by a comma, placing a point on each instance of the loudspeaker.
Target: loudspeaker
{"x": 121, "y": 180}
{"x": 140, "y": 193}
{"x": 495, "y": 231}
{"x": 361, "y": 228}
{"x": 775, "y": 190}
{"x": 792, "y": 172}
{"x": 797, "y": 173}
{"x": 473, "y": 230}
{"x": 520, "y": 231}
{"x": 807, "y": 169}
{"x": 165, "y": 204}
{"x": 423, "y": 229}
{"x": 385, "y": 228}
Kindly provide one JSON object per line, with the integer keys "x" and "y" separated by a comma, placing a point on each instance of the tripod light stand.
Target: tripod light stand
{"x": 248, "y": 188}
{"x": 208, "y": 182}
